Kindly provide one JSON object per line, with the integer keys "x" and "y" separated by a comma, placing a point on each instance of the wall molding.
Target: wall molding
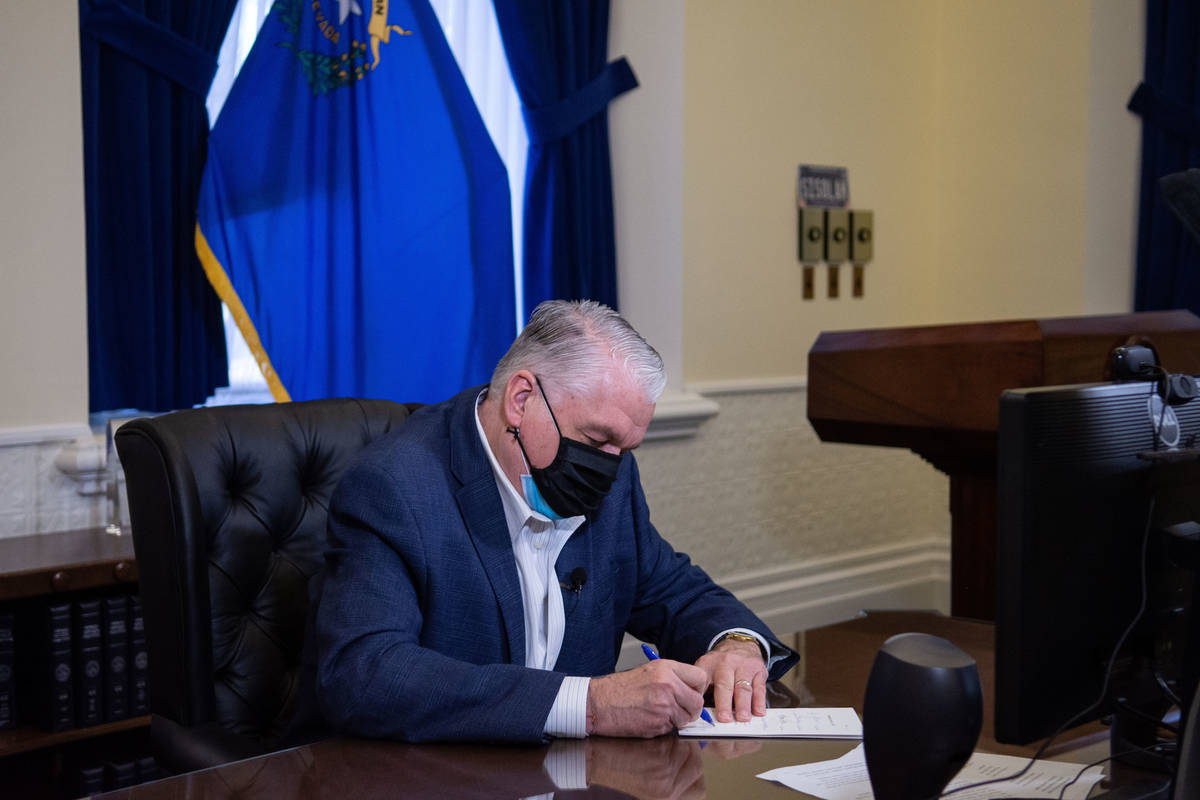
{"x": 680, "y": 414}
{"x": 40, "y": 434}
{"x": 810, "y": 594}
{"x": 82, "y": 456}
{"x": 783, "y": 383}
{"x": 85, "y": 461}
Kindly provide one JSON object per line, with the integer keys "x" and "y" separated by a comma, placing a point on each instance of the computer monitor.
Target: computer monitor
{"x": 1081, "y": 474}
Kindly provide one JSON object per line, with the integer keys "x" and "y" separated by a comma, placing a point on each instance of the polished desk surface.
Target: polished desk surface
{"x": 833, "y": 672}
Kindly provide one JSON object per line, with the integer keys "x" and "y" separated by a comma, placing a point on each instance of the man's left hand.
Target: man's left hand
{"x": 739, "y": 679}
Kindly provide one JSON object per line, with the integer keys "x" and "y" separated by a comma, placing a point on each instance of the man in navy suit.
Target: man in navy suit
{"x": 486, "y": 559}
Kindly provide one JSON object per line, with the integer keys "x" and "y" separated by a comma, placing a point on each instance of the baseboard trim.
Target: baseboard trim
{"x": 804, "y": 595}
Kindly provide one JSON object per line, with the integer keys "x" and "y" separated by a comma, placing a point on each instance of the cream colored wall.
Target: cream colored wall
{"x": 1012, "y": 155}
{"x": 1117, "y": 52}
{"x": 43, "y": 322}
{"x": 989, "y": 138}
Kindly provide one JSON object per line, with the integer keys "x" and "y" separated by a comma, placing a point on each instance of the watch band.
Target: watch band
{"x": 744, "y": 637}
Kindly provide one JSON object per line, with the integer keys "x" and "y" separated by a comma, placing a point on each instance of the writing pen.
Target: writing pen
{"x": 653, "y": 656}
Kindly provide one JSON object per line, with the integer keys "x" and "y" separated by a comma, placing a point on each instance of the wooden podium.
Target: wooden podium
{"x": 935, "y": 390}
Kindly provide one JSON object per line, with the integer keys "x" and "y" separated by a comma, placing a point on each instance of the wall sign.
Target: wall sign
{"x": 822, "y": 187}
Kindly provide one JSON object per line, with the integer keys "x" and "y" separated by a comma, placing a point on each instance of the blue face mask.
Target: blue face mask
{"x": 535, "y": 499}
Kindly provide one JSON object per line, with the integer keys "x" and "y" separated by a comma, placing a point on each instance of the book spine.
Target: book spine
{"x": 89, "y": 689}
{"x": 57, "y": 706}
{"x": 116, "y": 657}
{"x": 90, "y": 780}
{"x": 8, "y": 711}
{"x": 139, "y": 674}
{"x": 119, "y": 774}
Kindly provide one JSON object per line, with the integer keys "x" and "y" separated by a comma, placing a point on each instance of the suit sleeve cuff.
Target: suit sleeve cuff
{"x": 568, "y": 715}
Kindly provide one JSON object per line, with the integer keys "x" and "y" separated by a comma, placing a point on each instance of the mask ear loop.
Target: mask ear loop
{"x": 546, "y": 400}
{"x": 516, "y": 434}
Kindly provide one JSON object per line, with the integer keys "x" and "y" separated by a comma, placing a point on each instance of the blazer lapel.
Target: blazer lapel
{"x": 577, "y": 552}
{"x": 479, "y": 500}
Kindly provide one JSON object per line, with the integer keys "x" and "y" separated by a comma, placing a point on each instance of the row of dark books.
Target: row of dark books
{"x": 73, "y": 663}
{"x": 113, "y": 774}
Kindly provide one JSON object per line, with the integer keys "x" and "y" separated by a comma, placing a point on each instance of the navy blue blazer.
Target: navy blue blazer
{"x": 419, "y": 626}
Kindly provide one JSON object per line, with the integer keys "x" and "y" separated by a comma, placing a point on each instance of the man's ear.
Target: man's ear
{"x": 520, "y": 387}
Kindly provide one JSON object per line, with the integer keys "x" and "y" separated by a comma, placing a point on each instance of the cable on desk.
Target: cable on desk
{"x": 1107, "y": 674}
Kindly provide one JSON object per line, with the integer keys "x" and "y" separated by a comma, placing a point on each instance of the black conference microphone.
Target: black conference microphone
{"x": 578, "y": 578}
{"x": 1181, "y": 192}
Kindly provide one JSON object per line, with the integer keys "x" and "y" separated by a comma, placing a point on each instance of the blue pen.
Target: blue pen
{"x": 653, "y": 656}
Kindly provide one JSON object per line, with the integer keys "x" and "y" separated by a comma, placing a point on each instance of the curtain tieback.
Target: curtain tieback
{"x": 155, "y": 46}
{"x": 556, "y": 120}
{"x": 1169, "y": 115}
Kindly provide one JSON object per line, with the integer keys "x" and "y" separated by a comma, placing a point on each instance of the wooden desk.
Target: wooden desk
{"x": 837, "y": 660}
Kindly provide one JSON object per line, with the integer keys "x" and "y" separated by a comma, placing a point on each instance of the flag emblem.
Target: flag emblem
{"x": 326, "y": 72}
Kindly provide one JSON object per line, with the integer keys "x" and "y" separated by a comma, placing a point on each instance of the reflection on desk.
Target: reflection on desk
{"x": 350, "y": 769}
{"x": 837, "y": 661}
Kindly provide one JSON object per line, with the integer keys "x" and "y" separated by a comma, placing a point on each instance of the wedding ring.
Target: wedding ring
{"x": 748, "y": 684}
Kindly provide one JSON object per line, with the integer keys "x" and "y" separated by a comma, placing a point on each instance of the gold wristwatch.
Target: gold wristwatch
{"x": 744, "y": 637}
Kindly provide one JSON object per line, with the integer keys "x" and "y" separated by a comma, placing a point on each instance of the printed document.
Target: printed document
{"x": 809, "y": 723}
{"x": 846, "y": 778}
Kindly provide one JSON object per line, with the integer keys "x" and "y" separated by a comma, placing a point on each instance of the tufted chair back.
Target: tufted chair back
{"x": 228, "y": 508}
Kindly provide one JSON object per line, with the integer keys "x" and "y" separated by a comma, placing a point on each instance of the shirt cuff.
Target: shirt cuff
{"x": 566, "y": 764}
{"x": 766, "y": 647}
{"x": 568, "y": 715}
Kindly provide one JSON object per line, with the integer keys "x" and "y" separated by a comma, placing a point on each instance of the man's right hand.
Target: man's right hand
{"x": 650, "y": 700}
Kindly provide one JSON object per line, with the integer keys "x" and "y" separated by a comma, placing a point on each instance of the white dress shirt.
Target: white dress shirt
{"x": 536, "y": 541}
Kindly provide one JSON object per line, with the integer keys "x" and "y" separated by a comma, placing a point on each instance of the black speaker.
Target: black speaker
{"x": 921, "y": 716}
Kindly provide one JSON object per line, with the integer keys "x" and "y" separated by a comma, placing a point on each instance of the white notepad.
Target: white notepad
{"x": 810, "y": 723}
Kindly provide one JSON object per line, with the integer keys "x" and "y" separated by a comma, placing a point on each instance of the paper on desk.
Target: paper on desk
{"x": 811, "y": 723}
{"x": 846, "y": 778}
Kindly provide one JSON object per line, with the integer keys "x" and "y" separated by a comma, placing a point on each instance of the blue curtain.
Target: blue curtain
{"x": 558, "y": 53}
{"x": 155, "y": 337}
{"x": 1168, "y": 100}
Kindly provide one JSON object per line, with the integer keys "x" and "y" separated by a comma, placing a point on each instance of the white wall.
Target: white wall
{"x": 43, "y": 323}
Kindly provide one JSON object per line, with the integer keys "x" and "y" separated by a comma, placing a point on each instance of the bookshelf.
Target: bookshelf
{"x": 48, "y": 564}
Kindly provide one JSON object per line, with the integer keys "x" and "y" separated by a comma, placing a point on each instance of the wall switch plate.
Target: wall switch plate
{"x": 837, "y": 235}
{"x": 862, "y": 236}
{"x": 811, "y": 235}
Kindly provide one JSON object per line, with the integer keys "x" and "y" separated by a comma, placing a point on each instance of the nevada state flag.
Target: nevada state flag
{"x": 354, "y": 214}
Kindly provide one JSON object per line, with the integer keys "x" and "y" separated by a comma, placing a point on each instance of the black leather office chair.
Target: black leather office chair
{"x": 228, "y": 508}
